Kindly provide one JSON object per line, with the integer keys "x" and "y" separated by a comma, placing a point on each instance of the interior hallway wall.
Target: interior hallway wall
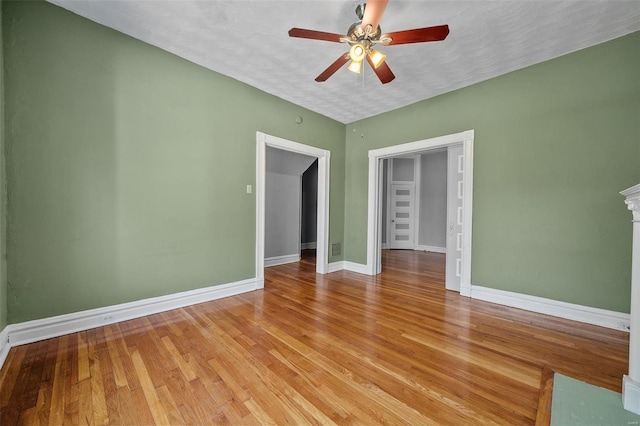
{"x": 309, "y": 220}
{"x": 432, "y": 231}
{"x": 283, "y": 202}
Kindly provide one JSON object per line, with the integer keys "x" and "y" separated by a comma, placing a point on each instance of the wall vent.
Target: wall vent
{"x": 336, "y": 249}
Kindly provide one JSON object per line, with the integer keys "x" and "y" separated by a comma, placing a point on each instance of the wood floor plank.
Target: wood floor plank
{"x": 543, "y": 415}
{"x": 148, "y": 388}
{"x": 85, "y": 402}
{"x": 342, "y": 349}
{"x": 58, "y": 395}
{"x": 98, "y": 402}
{"x": 8, "y": 376}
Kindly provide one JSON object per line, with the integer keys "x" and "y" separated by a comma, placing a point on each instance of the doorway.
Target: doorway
{"x": 374, "y": 220}
{"x": 263, "y": 141}
{"x": 309, "y": 213}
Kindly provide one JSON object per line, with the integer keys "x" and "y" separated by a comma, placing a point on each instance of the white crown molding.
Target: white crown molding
{"x": 281, "y": 260}
{"x": 585, "y": 314}
{"x": 46, "y": 328}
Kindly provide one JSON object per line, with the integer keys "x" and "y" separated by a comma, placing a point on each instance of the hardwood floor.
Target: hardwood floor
{"x": 342, "y": 348}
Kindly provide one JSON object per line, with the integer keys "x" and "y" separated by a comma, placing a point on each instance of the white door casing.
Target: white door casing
{"x": 455, "y": 215}
{"x": 466, "y": 138}
{"x": 322, "y": 246}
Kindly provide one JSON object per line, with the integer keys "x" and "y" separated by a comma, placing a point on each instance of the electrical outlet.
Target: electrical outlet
{"x": 107, "y": 318}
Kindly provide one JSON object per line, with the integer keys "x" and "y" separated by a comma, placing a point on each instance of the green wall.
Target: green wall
{"x": 3, "y": 197}
{"x": 127, "y": 166}
{"x": 554, "y": 144}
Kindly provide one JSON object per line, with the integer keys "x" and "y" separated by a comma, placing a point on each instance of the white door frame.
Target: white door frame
{"x": 262, "y": 141}
{"x": 374, "y": 263}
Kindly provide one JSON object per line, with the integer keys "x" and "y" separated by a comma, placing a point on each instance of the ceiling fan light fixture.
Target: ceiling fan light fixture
{"x": 361, "y": 38}
{"x": 357, "y": 52}
{"x": 377, "y": 58}
{"x": 355, "y": 66}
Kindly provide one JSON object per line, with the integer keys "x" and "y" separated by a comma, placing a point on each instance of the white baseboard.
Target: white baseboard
{"x": 586, "y": 314}
{"x": 308, "y": 246}
{"x": 46, "y": 328}
{"x": 335, "y": 266}
{"x": 4, "y": 345}
{"x": 433, "y": 249}
{"x": 384, "y": 246}
{"x": 357, "y": 267}
{"x": 465, "y": 289}
{"x": 281, "y": 260}
{"x": 345, "y": 265}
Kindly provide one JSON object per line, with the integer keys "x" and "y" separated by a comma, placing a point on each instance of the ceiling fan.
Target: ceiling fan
{"x": 363, "y": 35}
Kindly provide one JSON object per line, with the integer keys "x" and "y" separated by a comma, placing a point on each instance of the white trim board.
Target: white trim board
{"x": 585, "y": 314}
{"x": 308, "y": 246}
{"x": 335, "y": 266}
{"x": 433, "y": 249}
{"x": 281, "y": 260}
{"x": 32, "y": 331}
{"x": 46, "y": 328}
{"x": 344, "y": 265}
{"x": 356, "y": 267}
{"x": 322, "y": 226}
{"x": 374, "y": 238}
{"x": 4, "y": 345}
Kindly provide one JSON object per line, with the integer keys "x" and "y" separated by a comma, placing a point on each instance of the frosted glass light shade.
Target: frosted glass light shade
{"x": 357, "y": 52}
{"x": 355, "y": 67}
{"x": 377, "y": 58}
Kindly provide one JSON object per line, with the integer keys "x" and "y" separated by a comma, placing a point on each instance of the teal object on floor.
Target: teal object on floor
{"x": 579, "y": 403}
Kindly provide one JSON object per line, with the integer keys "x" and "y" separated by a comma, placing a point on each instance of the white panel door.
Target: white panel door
{"x": 402, "y": 216}
{"x": 455, "y": 196}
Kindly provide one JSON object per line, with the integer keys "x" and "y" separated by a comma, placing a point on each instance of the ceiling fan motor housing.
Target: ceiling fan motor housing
{"x": 358, "y": 34}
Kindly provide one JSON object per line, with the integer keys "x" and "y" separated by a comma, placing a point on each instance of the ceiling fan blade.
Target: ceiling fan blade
{"x": 383, "y": 71}
{"x": 314, "y": 35}
{"x": 419, "y": 35}
{"x": 333, "y": 68}
{"x": 373, "y": 13}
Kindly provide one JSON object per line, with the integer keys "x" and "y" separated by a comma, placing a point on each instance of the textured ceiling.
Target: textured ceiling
{"x": 247, "y": 40}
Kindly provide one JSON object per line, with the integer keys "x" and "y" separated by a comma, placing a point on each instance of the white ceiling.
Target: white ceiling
{"x": 247, "y": 40}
